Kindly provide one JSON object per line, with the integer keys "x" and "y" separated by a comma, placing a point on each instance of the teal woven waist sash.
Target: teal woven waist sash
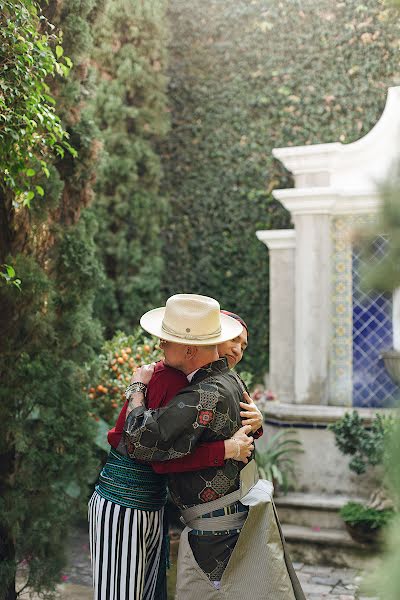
{"x": 133, "y": 484}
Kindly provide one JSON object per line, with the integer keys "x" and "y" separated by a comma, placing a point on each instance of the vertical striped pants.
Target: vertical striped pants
{"x": 125, "y": 548}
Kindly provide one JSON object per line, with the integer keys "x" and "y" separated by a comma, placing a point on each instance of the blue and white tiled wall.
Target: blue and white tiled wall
{"x": 362, "y": 324}
{"x": 372, "y": 334}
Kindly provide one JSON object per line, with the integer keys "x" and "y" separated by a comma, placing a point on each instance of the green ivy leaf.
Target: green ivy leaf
{"x": 59, "y": 51}
{"x": 28, "y": 197}
{"x": 10, "y": 271}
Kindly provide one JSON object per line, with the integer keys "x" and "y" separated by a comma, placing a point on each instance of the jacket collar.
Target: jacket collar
{"x": 217, "y": 366}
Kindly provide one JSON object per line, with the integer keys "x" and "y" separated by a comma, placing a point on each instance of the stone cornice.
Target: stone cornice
{"x": 307, "y": 159}
{"x": 328, "y": 201}
{"x": 277, "y": 239}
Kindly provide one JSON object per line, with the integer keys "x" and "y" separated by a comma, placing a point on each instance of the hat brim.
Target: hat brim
{"x": 152, "y": 323}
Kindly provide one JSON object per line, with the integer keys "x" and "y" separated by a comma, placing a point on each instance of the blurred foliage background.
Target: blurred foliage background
{"x": 385, "y": 580}
{"x": 138, "y": 165}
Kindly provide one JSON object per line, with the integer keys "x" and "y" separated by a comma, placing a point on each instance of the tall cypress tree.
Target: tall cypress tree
{"x": 130, "y": 109}
{"x": 47, "y": 330}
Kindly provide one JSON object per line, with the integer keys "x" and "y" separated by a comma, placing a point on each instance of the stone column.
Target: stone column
{"x": 281, "y": 246}
{"x": 313, "y": 307}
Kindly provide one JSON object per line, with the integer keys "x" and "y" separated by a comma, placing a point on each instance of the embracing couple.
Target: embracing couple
{"x": 188, "y": 421}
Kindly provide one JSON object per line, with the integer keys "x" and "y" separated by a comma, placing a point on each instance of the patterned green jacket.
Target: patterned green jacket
{"x": 207, "y": 410}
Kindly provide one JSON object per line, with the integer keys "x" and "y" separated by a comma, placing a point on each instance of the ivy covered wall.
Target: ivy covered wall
{"x": 246, "y": 77}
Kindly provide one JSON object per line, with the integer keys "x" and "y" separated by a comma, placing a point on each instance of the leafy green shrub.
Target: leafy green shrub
{"x": 366, "y": 446}
{"x": 117, "y": 361}
{"x": 355, "y": 513}
{"x": 275, "y": 462}
{"x": 30, "y": 128}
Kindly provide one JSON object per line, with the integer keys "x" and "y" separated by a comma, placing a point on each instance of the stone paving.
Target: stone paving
{"x": 318, "y": 582}
{"x": 330, "y": 583}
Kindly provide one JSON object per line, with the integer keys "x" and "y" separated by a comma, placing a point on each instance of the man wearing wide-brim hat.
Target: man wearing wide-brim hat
{"x": 232, "y": 544}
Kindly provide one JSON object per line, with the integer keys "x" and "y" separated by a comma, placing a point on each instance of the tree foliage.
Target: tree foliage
{"x": 31, "y": 52}
{"x": 48, "y": 333}
{"x": 130, "y": 111}
{"x": 246, "y": 77}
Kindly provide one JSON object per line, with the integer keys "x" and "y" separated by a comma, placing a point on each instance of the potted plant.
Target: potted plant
{"x": 367, "y": 447}
{"x": 275, "y": 462}
{"x": 364, "y": 523}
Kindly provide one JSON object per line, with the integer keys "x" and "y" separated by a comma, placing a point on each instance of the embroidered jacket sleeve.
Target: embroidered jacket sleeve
{"x": 173, "y": 432}
{"x": 211, "y": 454}
{"x": 165, "y": 384}
{"x": 166, "y": 433}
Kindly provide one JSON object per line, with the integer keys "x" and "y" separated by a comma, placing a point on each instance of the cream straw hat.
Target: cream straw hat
{"x": 191, "y": 319}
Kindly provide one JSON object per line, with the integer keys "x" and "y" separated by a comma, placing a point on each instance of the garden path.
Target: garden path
{"x": 318, "y": 582}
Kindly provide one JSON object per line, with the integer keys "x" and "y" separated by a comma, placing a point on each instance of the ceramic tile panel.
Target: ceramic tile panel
{"x": 372, "y": 334}
{"x": 361, "y": 322}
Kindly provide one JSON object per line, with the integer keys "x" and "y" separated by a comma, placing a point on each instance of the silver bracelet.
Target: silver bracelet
{"x": 135, "y": 386}
{"x": 237, "y": 448}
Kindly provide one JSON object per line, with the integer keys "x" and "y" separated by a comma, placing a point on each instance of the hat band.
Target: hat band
{"x": 187, "y": 336}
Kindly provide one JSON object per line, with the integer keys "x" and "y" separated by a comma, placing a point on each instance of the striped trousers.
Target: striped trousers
{"x": 125, "y": 548}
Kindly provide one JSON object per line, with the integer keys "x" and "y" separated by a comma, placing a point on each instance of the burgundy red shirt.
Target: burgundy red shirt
{"x": 165, "y": 383}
